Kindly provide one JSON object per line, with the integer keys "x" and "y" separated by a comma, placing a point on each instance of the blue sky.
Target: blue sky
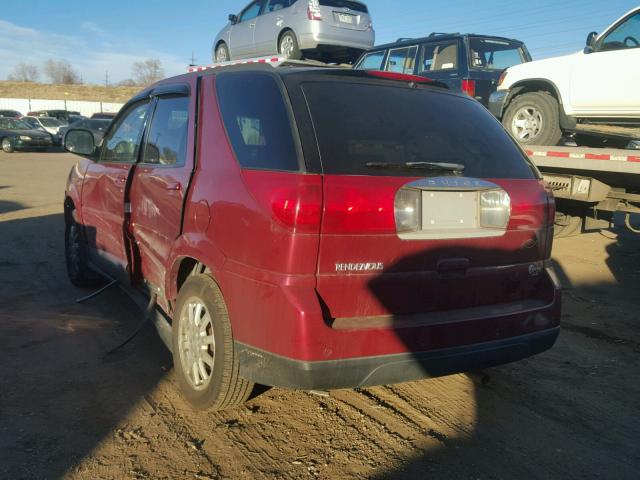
{"x": 112, "y": 34}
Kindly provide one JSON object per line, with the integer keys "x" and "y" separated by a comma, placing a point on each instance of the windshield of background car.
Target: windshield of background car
{"x": 10, "y": 124}
{"x": 355, "y": 6}
{"x": 361, "y": 123}
{"x": 495, "y": 54}
{"x": 51, "y": 122}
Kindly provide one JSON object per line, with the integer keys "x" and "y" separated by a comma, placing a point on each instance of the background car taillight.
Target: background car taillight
{"x": 503, "y": 75}
{"x": 313, "y": 10}
{"x": 469, "y": 87}
{"x": 293, "y": 200}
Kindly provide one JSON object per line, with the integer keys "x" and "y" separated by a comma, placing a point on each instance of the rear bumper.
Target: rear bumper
{"x": 270, "y": 369}
{"x": 328, "y": 36}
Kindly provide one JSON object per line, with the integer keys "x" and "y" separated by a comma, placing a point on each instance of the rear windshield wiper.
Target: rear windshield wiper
{"x": 439, "y": 166}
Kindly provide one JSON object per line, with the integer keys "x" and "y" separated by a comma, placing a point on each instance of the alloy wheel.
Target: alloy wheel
{"x": 196, "y": 343}
{"x": 527, "y": 123}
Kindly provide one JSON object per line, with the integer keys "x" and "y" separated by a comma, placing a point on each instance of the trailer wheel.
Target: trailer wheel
{"x": 566, "y": 225}
{"x": 632, "y": 226}
{"x": 533, "y": 119}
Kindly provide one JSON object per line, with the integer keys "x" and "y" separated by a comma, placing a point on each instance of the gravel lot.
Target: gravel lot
{"x": 68, "y": 410}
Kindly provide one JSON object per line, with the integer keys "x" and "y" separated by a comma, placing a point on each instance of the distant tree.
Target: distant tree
{"x": 147, "y": 71}
{"x": 24, "y": 72}
{"x": 127, "y": 82}
{"x": 61, "y": 72}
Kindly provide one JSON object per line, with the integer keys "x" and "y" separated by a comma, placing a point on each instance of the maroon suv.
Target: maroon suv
{"x": 317, "y": 228}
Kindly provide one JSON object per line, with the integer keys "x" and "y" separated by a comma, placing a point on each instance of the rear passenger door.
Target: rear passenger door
{"x": 402, "y": 60}
{"x": 269, "y": 25}
{"x": 160, "y": 182}
{"x": 441, "y": 61}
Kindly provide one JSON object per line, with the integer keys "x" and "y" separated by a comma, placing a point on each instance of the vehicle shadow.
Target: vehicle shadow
{"x": 535, "y": 418}
{"x": 8, "y": 206}
{"x": 62, "y": 395}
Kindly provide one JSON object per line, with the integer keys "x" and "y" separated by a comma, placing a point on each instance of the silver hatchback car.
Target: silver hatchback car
{"x": 328, "y": 30}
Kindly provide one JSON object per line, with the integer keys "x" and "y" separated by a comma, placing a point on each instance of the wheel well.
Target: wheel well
{"x": 220, "y": 42}
{"x": 532, "y": 86}
{"x": 188, "y": 266}
{"x": 282, "y": 32}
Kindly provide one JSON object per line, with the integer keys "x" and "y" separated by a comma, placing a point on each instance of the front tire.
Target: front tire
{"x": 7, "y": 145}
{"x": 533, "y": 119}
{"x": 204, "y": 356}
{"x": 288, "y": 46}
{"x": 77, "y": 257}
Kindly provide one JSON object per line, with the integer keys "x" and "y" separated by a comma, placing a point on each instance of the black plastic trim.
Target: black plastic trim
{"x": 270, "y": 369}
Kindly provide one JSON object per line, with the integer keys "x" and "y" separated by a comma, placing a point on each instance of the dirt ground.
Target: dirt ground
{"x": 68, "y": 410}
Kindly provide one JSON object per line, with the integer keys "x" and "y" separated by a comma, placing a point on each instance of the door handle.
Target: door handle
{"x": 120, "y": 180}
{"x": 252, "y": 25}
{"x": 174, "y": 187}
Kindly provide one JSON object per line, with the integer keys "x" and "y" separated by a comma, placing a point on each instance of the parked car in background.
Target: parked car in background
{"x": 540, "y": 101}
{"x": 48, "y": 124}
{"x": 10, "y": 114}
{"x": 328, "y": 30}
{"x": 464, "y": 62}
{"x": 64, "y": 116}
{"x": 18, "y": 135}
{"x": 95, "y": 125}
{"x": 384, "y": 228}
{"x": 104, "y": 115}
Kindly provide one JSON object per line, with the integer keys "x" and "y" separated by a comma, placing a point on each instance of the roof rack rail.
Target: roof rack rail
{"x": 436, "y": 34}
{"x": 404, "y": 39}
{"x": 273, "y": 61}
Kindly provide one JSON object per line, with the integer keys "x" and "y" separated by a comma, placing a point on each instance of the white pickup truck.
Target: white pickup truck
{"x": 540, "y": 101}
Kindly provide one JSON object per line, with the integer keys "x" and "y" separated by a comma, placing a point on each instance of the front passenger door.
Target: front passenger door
{"x": 605, "y": 81}
{"x": 104, "y": 203}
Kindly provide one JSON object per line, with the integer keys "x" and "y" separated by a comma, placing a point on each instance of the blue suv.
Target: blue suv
{"x": 464, "y": 62}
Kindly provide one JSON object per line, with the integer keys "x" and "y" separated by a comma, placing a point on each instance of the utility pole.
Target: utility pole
{"x": 193, "y": 59}
{"x": 106, "y": 79}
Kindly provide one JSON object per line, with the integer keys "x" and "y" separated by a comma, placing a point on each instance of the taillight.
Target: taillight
{"x": 408, "y": 212}
{"x": 293, "y": 200}
{"x": 550, "y": 218}
{"x": 503, "y": 75}
{"x": 469, "y": 87}
{"x": 313, "y": 10}
{"x": 495, "y": 209}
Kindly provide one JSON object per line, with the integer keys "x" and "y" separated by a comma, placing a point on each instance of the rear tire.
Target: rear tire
{"x": 222, "y": 53}
{"x": 288, "y": 46}
{"x": 534, "y": 119}
{"x": 7, "y": 145}
{"x": 204, "y": 355}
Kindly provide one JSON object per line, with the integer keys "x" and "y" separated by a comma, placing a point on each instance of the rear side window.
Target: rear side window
{"x": 360, "y": 124}
{"x": 167, "y": 138}
{"x": 257, "y": 122}
{"x": 355, "y": 6}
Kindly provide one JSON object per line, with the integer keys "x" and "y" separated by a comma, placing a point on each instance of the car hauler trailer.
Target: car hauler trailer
{"x": 590, "y": 186}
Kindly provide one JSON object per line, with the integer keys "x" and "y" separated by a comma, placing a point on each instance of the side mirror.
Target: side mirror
{"x": 591, "y": 42}
{"x": 80, "y": 142}
{"x": 233, "y": 19}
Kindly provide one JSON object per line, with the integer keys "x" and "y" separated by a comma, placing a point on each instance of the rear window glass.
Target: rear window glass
{"x": 494, "y": 54}
{"x": 357, "y": 124}
{"x": 355, "y": 6}
{"x": 257, "y": 122}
